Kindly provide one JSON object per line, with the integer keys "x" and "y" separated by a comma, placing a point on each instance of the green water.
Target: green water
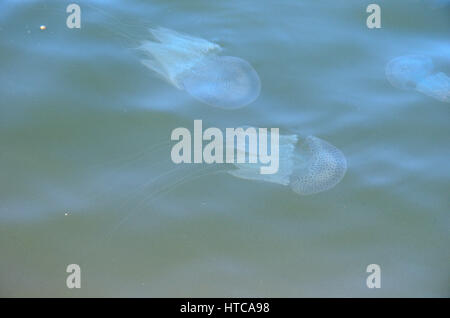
{"x": 86, "y": 176}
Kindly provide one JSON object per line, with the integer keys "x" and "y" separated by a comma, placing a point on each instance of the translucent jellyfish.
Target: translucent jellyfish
{"x": 436, "y": 86}
{"x": 192, "y": 64}
{"x": 307, "y": 165}
{"x": 189, "y": 63}
{"x": 405, "y": 72}
{"x": 416, "y": 72}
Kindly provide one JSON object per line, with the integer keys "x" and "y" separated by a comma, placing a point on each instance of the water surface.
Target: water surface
{"x": 81, "y": 118}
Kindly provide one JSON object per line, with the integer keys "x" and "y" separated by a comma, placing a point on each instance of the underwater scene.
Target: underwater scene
{"x": 199, "y": 148}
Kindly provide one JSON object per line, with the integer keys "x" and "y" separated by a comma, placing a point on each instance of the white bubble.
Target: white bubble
{"x": 192, "y": 64}
{"x": 406, "y": 71}
{"x": 436, "y": 86}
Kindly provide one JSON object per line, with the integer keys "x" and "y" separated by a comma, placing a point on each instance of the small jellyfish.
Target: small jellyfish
{"x": 436, "y": 86}
{"x": 192, "y": 64}
{"x": 405, "y": 72}
{"x": 307, "y": 165}
{"x": 415, "y": 72}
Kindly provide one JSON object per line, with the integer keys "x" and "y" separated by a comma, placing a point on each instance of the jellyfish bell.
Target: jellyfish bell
{"x": 405, "y": 72}
{"x": 325, "y": 167}
{"x": 192, "y": 64}
{"x": 307, "y": 165}
{"x": 223, "y": 81}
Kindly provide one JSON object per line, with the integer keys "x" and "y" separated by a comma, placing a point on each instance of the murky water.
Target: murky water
{"x": 86, "y": 176}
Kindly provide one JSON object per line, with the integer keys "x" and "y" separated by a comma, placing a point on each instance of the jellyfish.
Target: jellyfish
{"x": 189, "y": 63}
{"x": 436, "y": 86}
{"x": 307, "y": 165}
{"x": 192, "y": 64}
{"x": 405, "y": 72}
{"x": 416, "y": 72}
